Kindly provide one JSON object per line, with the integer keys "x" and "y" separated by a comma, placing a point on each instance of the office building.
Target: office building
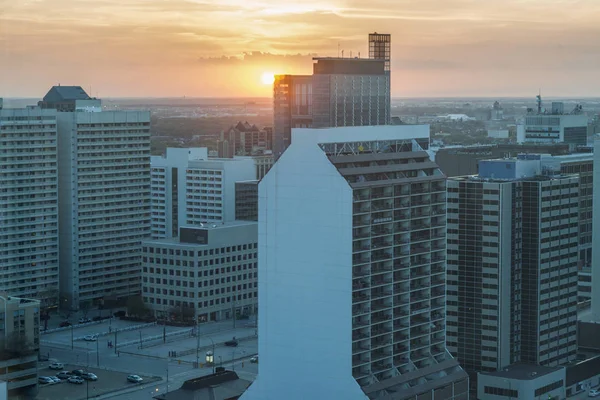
{"x": 350, "y": 92}
{"x": 168, "y": 185}
{"x": 292, "y": 108}
{"x": 352, "y": 269}
{"x": 211, "y": 269}
{"x": 554, "y": 125}
{"x": 19, "y": 345}
{"x": 596, "y": 232}
{"x": 246, "y": 200}
{"x": 29, "y": 204}
{"x": 340, "y": 92}
{"x": 512, "y": 265}
{"x": 523, "y": 382}
{"x": 244, "y": 139}
{"x": 104, "y": 197}
{"x": 464, "y": 161}
{"x": 262, "y": 163}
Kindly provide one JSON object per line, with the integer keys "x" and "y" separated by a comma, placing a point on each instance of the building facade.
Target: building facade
{"x": 104, "y": 203}
{"x": 246, "y": 200}
{"x": 352, "y": 267}
{"x": 29, "y": 204}
{"x": 244, "y": 139}
{"x": 210, "y": 189}
{"x": 19, "y": 345}
{"x": 512, "y": 266}
{"x": 168, "y": 181}
{"x": 522, "y": 382}
{"x": 350, "y": 92}
{"x": 210, "y": 269}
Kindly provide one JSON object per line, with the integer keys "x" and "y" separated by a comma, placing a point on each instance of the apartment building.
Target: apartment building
{"x": 19, "y": 345}
{"x": 168, "y": 174}
{"x": 104, "y": 198}
{"x": 29, "y": 204}
{"x": 512, "y": 265}
{"x": 211, "y": 269}
{"x": 210, "y": 189}
{"x": 352, "y": 269}
{"x": 244, "y": 139}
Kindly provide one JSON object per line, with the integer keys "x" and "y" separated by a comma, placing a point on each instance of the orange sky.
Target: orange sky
{"x": 196, "y": 48}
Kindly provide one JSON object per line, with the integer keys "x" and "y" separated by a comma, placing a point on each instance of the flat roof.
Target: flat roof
{"x": 523, "y": 372}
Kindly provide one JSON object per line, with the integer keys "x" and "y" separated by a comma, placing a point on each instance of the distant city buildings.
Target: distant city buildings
{"x": 341, "y": 92}
{"x": 19, "y": 346}
{"x": 512, "y": 265}
{"x": 554, "y": 125}
{"x": 352, "y": 256}
{"x": 29, "y": 252}
{"x": 244, "y": 139}
{"x": 209, "y": 271}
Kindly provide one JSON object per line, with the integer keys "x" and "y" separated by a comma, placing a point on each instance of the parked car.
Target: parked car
{"x": 63, "y": 375}
{"x": 56, "y": 365}
{"x": 232, "y": 343}
{"x": 254, "y": 360}
{"x": 75, "y": 379}
{"x": 90, "y": 338}
{"x": 134, "y": 378}
{"x": 64, "y": 324}
{"x": 43, "y": 357}
{"x": 89, "y": 377}
{"x": 55, "y": 379}
{"x": 84, "y": 320}
{"x": 594, "y": 393}
{"x": 45, "y": 380}
{"x": 77, "y": 372}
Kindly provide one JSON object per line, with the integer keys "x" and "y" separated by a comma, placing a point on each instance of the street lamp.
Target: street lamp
{"x": 213, "y": 352}
{"x": 210, "y": 359}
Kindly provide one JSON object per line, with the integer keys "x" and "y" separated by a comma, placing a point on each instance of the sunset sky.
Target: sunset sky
{"x": 206, "y": 48}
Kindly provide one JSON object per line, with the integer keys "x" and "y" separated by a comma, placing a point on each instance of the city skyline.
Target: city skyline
{"x": 151, "y": 48}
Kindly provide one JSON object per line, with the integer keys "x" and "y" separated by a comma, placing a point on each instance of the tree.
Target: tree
{"x": 136, "y": 307}
{"x": 85, "y": 306}
{"x": 48, "y": 300}
{"x": 15, "y": 346}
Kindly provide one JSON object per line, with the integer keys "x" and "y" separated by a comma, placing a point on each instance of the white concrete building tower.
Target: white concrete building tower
{"x": 29, "y": 204}
{"x": 351, "y": 266}
{"x": 596, "y": 234}
{"x": 104, "y": 199}
{"x": 210, "y": 189}
{"x": 168, "y": 175}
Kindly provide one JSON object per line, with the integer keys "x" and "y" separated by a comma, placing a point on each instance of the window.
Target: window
{"x": 501, "y": 392}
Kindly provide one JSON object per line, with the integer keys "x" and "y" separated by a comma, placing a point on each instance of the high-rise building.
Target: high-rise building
{"x": 29, "y": 204}
{"x": 292, "y": 108}
{"x": 341, "y": 92}
{"x": 211, "y": 271}
{"x": 352, "y": 269}
{"x": 189, "y": 188}
{"x": 168, "y": 185}
{"x": 19, "y": 345}
{"x": 464, "y": 160}
{"x": 512, "y": 265}
{"x": 246, "y": 200}
{"x": 104, "y": 196}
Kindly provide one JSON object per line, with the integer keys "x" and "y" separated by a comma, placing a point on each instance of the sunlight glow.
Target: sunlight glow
{"x": 267, "y": 78}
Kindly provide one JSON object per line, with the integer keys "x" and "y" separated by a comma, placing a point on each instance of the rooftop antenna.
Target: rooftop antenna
{"x": 359, "y": 54}
{"x": 539, "y": 102}
{"x": 338, "y": 49}
{"x": 342, "y": 53}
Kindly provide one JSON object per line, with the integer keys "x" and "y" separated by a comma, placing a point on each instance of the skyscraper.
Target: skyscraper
{"x": 341, "y": 92}
{"x": 512, "y": 265}
{"x": 29, "y": 204}
{"x": 352, "y": 269}
{"x": 104, "y": 196}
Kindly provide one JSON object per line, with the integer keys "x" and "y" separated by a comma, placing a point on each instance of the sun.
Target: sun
{"x": 267, "y": 78}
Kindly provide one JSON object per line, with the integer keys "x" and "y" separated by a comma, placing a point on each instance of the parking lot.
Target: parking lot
{"x": 107, "y": 330}
{"x": 108, "y": 381}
